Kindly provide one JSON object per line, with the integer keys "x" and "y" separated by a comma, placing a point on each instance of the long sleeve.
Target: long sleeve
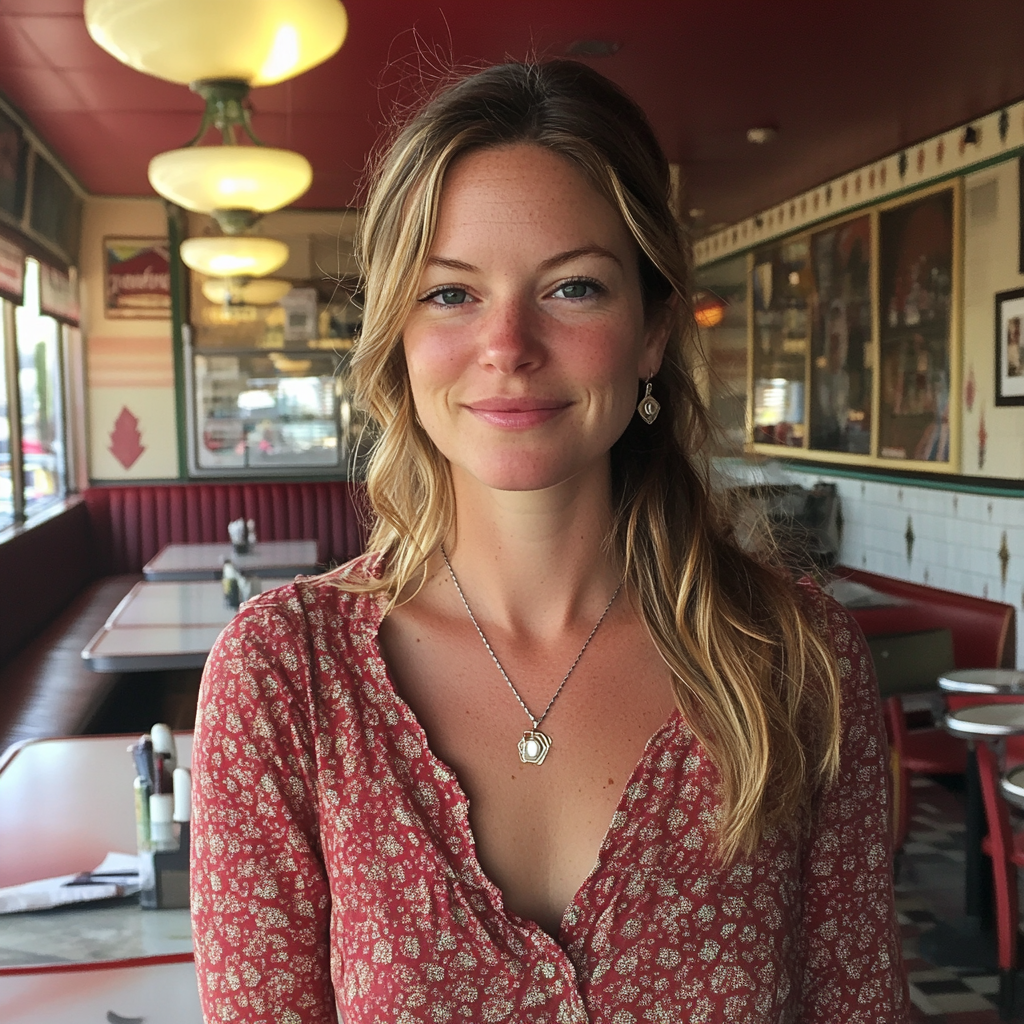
{"x": 260, "y": 899}
{"x": 853, "y": 970}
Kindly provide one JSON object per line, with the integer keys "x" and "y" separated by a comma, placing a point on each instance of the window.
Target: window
{"x": 31, "y": 407}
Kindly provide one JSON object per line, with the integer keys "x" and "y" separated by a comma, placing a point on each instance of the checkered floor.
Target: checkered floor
{"x": 929, "y": 896}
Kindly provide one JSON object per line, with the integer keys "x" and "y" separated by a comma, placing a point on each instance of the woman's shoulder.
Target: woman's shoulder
{"x": 341, "y": 601}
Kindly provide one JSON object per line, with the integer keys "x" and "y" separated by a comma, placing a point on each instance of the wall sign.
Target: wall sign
{"x": 58, "y": 294}
{"x": 137, "y": 278}
{"x": 1009, "y": 356}
{"x": 12, "y": 271}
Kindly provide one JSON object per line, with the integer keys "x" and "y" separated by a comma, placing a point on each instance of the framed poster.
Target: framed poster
{"x": 137, "y": 278}
{"x": 916, "y": 328}
{"x": 1009, "y": 358}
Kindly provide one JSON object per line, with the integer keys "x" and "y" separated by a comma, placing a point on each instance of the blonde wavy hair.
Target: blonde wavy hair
{"x": 753, "y": 676}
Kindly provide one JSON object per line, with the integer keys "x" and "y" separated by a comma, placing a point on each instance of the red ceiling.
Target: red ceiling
{"x": 844, "y": 82}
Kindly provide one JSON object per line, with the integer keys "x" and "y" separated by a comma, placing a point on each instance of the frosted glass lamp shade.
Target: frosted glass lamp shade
{"x": 208, "y": 178}
{"x": 262, "y": 292}
{"x": 234, "y": 255}
{"x": 184, "y": 41}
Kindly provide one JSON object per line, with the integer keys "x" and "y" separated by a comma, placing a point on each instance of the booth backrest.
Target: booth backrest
{"x": 41, "y": 571}
{"x": 984, "y": 632}
{"x": 133, "y": 523}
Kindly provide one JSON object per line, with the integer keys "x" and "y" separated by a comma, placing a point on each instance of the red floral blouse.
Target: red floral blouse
{"x": 333, "y": 866}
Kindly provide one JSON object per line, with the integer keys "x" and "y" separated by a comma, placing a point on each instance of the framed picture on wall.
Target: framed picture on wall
{"x": 1009, "y": 355}
{"x": 137, "y": 278}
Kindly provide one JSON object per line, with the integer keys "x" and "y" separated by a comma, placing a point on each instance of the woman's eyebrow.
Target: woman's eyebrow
{"x": 573, "y": 254}
{"x": 448, "y": 263}
{"x": 451, "y": 264}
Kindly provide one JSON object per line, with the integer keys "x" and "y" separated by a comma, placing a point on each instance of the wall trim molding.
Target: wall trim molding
{"x": 999, "y": 136}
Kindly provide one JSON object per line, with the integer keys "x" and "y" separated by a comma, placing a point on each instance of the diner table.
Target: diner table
{"x": 992, "y": 682}
{"x": 969, "y": 942}
{"x": 64, "y": 803}
{"x": 274, "y": 558}
{"x": 165, "y": 624}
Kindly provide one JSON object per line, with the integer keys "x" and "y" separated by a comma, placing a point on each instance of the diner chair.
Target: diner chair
{"x": 1006, "y": 848}
{"x": 930, "y": 751}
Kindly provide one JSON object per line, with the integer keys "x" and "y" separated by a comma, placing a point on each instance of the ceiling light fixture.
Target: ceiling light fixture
{"x": 761, "y": 135}
{"x": 236, "y": 184}
{"x": 234, "y": 255}
{"x": 708, "y": 309}
{"x": 258, "y": 42}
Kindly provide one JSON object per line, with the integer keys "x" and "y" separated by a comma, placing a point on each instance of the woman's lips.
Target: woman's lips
{"x": 516, "y": 413}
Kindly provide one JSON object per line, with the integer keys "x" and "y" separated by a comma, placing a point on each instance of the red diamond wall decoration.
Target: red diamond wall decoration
{"x": 125, "y": 440}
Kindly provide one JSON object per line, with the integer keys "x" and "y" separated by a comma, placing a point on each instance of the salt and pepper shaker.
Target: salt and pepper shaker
{"x": 231, "y": 581}
{"x": 238, "y": 531}
{"x": 237, "y": 586}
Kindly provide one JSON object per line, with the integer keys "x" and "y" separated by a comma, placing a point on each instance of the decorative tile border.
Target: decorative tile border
{"x": 957, "y": 151}
{"x": 971, "y": 543}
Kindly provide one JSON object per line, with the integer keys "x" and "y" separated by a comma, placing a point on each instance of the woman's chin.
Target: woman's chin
{"x": 525, "y": 477}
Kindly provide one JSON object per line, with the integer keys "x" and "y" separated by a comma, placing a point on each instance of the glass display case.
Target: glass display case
{"x": 916, "y": 296}
{"x": 720, "y": 307}
{"x": 842, "y": 338}
{"x": 269, "y": 391}
{"x": 782, "y": 288}
{"x": 854, "y": 336}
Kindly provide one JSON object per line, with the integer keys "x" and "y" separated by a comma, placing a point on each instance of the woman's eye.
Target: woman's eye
{"x": 448, "y": 297}
{"x": 575, "y": 290}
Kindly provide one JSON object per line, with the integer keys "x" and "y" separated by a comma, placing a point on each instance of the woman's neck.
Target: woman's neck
{"x": 537, "y": 562}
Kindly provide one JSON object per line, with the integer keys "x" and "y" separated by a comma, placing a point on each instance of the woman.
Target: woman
{"x": 557, "y": 750}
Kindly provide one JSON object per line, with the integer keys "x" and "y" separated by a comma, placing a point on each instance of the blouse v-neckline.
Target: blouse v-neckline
{"x": 434, "y": 760}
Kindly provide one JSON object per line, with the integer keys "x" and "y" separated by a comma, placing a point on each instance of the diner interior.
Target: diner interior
{"x": 180, "y": 187}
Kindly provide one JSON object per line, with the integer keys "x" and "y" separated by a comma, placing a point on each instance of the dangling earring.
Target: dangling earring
{"x": 649, "y": 406}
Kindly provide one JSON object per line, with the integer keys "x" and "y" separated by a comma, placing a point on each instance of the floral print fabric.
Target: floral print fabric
{"x": 333, "y": 866}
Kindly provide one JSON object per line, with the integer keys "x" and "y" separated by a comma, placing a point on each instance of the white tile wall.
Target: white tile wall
{"x": 957, "y": 537}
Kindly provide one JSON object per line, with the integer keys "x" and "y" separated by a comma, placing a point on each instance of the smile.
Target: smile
{"x": 516, "y": 413}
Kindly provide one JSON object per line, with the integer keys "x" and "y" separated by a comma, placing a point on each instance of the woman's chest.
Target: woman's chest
{"x": 657, "y": 918}
{"x": 537, "y": 827}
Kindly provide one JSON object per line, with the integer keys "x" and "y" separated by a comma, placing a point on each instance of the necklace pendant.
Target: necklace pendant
{"x": 534, "y": 747}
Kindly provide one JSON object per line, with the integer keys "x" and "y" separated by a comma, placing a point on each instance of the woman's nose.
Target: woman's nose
{"x": 511, "y": 338}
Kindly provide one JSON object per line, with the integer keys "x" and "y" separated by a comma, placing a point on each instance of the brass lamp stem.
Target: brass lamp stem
{"x": 225, "y": 109}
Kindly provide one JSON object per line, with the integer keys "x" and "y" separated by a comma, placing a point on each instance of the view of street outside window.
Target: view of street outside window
{"x": 39, "y": 389}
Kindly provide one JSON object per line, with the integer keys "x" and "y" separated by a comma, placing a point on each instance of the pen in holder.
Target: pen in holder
{"x": 163, "y": 803}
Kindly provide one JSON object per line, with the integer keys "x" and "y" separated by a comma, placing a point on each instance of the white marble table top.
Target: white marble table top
{"x": 1012, "y": 786}
{"x": 150, "y": 648}
{"x": 277, "y": 558}
{"x": 983, "y": 680}
{"x": 118, "y": 930}
{"x": 165, "y": 624}
{"x": 987, "y": 721}
{"x": 173, "y": 603}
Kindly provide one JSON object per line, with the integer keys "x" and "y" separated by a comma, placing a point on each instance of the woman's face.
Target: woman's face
{"x": 528, "y": 336}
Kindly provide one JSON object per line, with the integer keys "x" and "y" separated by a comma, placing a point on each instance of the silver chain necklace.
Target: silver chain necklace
{"x": 534, "y": 745}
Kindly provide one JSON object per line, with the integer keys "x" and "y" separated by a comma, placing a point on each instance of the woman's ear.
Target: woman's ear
{"x": 658, "y": 329}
